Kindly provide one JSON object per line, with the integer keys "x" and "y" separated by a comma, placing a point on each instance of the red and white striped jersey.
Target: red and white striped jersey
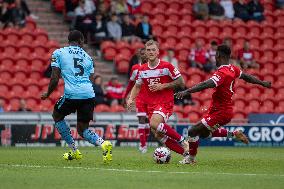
{"x": 164, "y": 72}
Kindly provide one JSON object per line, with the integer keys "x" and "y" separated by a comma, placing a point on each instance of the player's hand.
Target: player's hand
{"x": 266, "y": 84}
{"x": 156, "y": 87}
{"x": 130, "y": 104}
{"x": 44, "y": 96}
{"x": 181, "y": 94}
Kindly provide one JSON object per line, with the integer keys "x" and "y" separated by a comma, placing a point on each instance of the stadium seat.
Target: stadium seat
{"x": 122, "y": 66}
{"x": 194, "y": 117}
{"x": 175, "y": 109}
{"x": 109, "y": 53}
{"x": 102, "y": 108}
{"x": 14, "y": 104}
{"x": 146, "y": 7}
{"x": 117, "y": 108}
{"x": 183, "y": 55}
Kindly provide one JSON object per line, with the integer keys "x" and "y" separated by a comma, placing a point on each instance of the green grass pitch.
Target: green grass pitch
{"x": 248, "y": 168}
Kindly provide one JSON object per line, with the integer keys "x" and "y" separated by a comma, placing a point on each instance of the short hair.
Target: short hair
{"x": 224, "y": 51}
{"x": 75, "y": 36}
{"x": 152, "y": 42}
{"x": 214, "y": 43}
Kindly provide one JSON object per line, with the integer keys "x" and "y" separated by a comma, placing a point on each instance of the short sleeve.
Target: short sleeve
{"x": 238, "y": 72}
{"x": 92, "y": 67}
{"x": 133, "y": 74}
{"x": 173, "y": 72}
{"x": 218, "y": 78}
{"x": 139, "y": 80}
{"x": 55, "y": 59}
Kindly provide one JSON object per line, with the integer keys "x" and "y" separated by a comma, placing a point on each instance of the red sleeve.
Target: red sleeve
{"x": 238, "y": 71}
{"x": 128, "y": 88}
{"x": 133, "y": 73}
{"x": 218, "y": 77}
{"x": 173, "y": 72}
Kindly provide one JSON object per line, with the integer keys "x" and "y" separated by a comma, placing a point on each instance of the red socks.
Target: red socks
{"x": 173, "y": 145}
{"x": 193, "y": 146}
{"x": 144, "y": 132}
{"x": 142, "y": 136}
{"x": 221, "y": 132}
{"x": 167, "y": 130}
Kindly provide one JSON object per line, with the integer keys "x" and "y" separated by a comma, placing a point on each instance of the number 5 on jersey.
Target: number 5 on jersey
{"x": 77, "y": 62}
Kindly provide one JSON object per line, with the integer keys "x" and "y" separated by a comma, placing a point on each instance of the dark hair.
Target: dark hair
{"x": 214, "y": 43}
{"x": 75, "y": 36}
{"x": 224, "y": 51}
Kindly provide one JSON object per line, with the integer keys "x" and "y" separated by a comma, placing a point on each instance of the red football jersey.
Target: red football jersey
{"x": 164, "y": 72}
{"x": 134, "y": 76}
{"x": 224, "y": 79}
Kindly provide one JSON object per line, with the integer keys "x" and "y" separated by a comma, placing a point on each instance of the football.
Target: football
{"x": 162, "y": 155}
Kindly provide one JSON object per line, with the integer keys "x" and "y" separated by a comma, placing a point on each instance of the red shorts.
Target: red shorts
{"x": 141, "y": 108}
{"x": 165, "y": 110}
{"x": 214, "y": 119}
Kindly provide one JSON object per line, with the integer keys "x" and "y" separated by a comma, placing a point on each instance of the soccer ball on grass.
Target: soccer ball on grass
{"x": 162, "y": 155}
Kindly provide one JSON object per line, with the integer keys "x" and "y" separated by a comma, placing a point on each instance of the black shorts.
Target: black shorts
{"x": 84, "y": 108}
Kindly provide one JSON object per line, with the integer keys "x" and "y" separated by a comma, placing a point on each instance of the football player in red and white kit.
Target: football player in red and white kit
{"x": 143, "y": 121}
{"x": 221, "y": 110}
{"x": 159, "y": 79}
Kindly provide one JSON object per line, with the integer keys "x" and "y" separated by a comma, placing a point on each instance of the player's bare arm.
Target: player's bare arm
{"x": 252, "y": 79}
{"x": 134, "y": 92}
{"x": 177, "y": 83}
{"x": 92, "y": 78}
{"x": 55, "y": 75}
{"x": 199, "y": 87}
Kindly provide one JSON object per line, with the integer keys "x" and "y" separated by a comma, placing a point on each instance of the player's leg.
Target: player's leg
{"x": 157, "y": 123}
{"x": 169, "y": 142}
{"x": 147, "y": 128}
{"x": 62, "y": 108}
{"x": 143, "y": 124}
{"x": 194, "y": 133}
{"x": 84, "y": 115}
{"x": 142, "y": 132}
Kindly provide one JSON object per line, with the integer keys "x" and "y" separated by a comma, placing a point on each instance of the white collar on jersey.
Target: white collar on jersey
{"x": 224, "y": 66}
{"x": 155, "y": 66}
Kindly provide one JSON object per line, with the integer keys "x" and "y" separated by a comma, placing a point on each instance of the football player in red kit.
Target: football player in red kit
{"x": 159, "y": 79}
{"x": 143, "y": 121}
{"x": 221, "y": 110}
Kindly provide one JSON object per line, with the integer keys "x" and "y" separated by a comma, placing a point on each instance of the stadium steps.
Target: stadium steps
{"x": 58, "y": 30}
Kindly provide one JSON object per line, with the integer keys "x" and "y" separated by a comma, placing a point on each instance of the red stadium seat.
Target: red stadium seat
{"x": 109, "y": 53}
{"x": 19, "y": 78}
{"x": 122, "y": 66}
{"x": 46, "y": 105}
{"x": 193, "y": 117}
{"x": 183, "y": 55}
{"x": 240, "y": 104}
{"x": 14, "y": 104}
{"x": 117, "y": 108}
{"x": 107, "y": 44}
{"x": 31, "y": 103}
{"x": 157, "y": 30}
{"x": 5, "y": 76}
{"x": 178, "y": 109}
{"x": 147, "y": 6}
{"x": 102, "y": 108}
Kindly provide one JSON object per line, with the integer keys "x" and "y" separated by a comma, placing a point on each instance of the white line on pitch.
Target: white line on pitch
{"x": 137, "y": 171}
